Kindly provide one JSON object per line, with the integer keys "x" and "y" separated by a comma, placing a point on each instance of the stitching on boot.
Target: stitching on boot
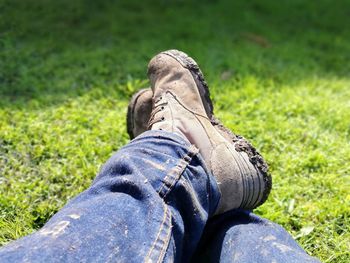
{"x": 241, "y": 144}
{"x": 189, "y": 63}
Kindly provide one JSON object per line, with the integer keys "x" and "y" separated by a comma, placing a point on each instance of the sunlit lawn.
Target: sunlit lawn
{"x": 279, "y": 73}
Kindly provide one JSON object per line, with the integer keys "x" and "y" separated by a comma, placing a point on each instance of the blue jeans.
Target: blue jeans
{"x": 151, "y": 203}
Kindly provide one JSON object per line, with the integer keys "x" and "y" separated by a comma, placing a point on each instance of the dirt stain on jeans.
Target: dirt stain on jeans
{"x": 74, "y": 216}
{"x": 55, "y": 230}
{"x": 269, "y": 238}
{"x": 283, "y": 248}
{"x": 155, "y": 165}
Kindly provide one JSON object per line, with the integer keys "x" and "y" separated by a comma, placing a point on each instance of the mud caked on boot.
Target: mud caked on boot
{"x": 179, "y": 102}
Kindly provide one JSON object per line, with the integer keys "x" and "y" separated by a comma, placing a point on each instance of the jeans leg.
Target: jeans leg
{"x": 241, "y": 236}
{"x": 149, "y": 203}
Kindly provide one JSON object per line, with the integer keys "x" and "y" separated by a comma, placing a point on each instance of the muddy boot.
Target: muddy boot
{"x": 181, "y": 104}
{"x": 139, "y": 112}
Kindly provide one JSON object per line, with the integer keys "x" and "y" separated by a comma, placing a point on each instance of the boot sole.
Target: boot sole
{"x": 240, "y": 143}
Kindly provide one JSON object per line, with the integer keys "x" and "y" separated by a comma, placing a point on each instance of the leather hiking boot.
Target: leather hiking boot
{"x": 139, "y": 112}
{"x": 181, "y": 104}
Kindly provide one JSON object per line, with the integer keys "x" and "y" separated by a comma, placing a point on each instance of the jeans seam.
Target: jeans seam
{"x": 166, "y": 218}
{"x": 174, "y": 177}
{"x": 166, "y": 241}
{"x": 175, "y": 173}
{"x": 169, "y": 181}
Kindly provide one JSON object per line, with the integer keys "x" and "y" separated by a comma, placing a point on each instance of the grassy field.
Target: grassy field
{"x": 279, "y": 73}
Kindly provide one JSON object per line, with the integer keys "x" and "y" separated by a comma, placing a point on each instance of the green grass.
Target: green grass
{"x": 279, "y": 73}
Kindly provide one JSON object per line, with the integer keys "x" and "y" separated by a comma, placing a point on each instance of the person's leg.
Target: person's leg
{"x": 140, "y": 114}
{"x": 150, "y": 203}
{"x": 241, "y": 236}
{"x": 152, "y": 200}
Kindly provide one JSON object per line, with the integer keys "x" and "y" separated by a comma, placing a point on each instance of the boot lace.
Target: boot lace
{"x": 157, "y": 108}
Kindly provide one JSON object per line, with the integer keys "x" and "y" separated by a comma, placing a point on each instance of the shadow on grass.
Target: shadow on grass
{"x": 52, "y": 51}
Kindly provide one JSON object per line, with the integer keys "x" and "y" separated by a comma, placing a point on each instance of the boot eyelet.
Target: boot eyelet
{"x": 162, "y": 108}
{"x": 163, "y": 118}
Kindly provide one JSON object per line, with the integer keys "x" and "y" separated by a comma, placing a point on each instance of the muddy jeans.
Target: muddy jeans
{"x": 151, "y": 203}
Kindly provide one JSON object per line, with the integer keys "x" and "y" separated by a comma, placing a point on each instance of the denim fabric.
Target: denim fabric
{"x": 150, "y": 203}
{"x": 241, "y": 236}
